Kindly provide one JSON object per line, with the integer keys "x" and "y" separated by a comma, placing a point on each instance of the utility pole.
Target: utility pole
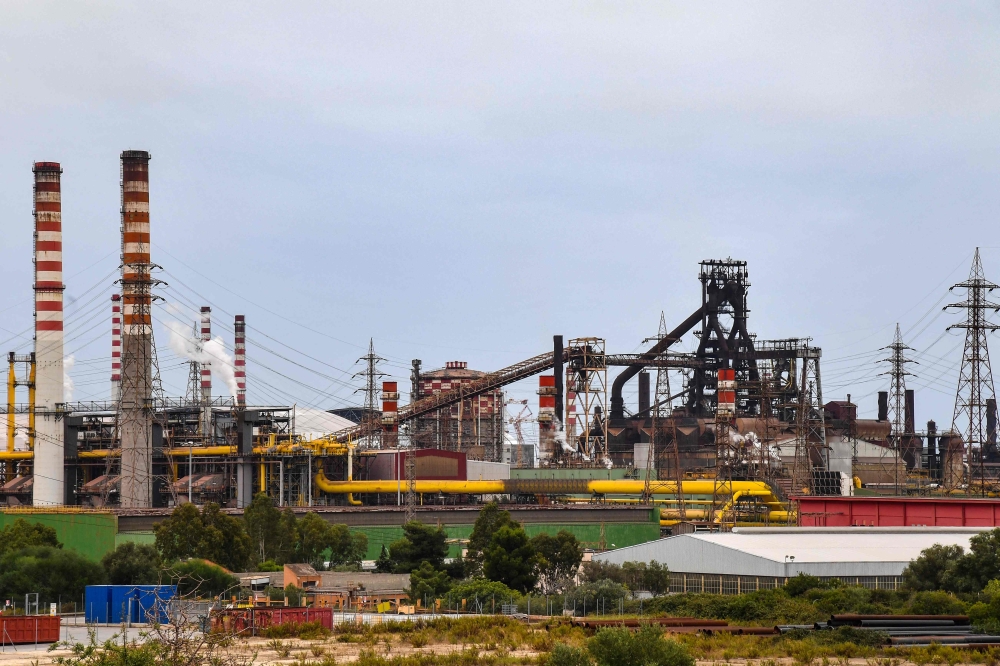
{"x": 897, "y": 397}
{"x": 975, "y": 381}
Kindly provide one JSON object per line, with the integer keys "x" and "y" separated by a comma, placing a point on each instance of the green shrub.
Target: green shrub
{"x": 646, "y": 647}
{"x": 304, "y": 630}
{"x": 935, "y": 603}
{"x": 564, "y": 655}
{"x": 801, "y": 584}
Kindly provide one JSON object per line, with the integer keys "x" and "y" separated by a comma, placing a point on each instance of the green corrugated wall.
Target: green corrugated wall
{"x": 90, "y": 534}
{"x": 619, "y": 534}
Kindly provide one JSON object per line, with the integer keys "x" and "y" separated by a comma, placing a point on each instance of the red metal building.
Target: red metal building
{"x": 898, "y": 512}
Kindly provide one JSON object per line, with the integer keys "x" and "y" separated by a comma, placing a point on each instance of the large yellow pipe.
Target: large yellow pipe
{"x": 547, "y": 486}
{"x": 17, "y": 455}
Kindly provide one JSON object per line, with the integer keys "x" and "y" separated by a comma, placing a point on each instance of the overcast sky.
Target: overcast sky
{"x": 460, "y": 181}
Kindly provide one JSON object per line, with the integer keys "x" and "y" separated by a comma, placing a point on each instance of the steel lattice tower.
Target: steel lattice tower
{"x": 975, "y": 381}
{"x": 371, "y": 418}
{"x": 897, "y": 396}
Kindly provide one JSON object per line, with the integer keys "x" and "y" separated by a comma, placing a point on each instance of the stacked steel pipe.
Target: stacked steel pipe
{"x": 135, "y": 411}
{"x": 240, "y": 362}
{"x": 116, "y": 347}
{"x": 48, "y": 457}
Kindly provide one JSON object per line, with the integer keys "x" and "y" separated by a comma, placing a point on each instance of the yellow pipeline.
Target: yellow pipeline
{"x": 546, "y": 486}
{"x": 176, "y": 452}
{"x": 17, "y": 455}
{"x": 350, "y": 475}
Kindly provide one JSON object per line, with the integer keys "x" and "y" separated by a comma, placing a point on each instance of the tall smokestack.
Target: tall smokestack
{"x": 48, "y": 462}
{"x": 116, "y": 347}
{"x": 240, "y": 362}
{"x": 883, "y": 405}
{"x": 136, "y": 409}
{"x": 206, "y": 374}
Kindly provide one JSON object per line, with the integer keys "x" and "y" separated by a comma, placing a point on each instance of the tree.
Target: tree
{"x": 22, "y": 534}
{"x": 347, "y": 548}
{"x": 132, "y": 564}
{"x": 287, "y": 536}
{"x": 314, "y": 538}
{"x": 979, "y": 566}
{"x": 934, "y": 569}
{"x": 511, "y": 560}
{"x": 199, "y": 578}
{"x": 384, "y": 563}
{"x": 428, "y": 582}
{"x": 558, "y": 559}
{"x": 420, "y": 543}
{"x": 595, "y": 571}
{"x": 261, "y": 519}
{"x": 491, "y": 518}
{"x": 51, "y": 572}
{"x": 180, "y": 534}
{"x": 210, "y": 535}
{"x": 647, "y": 647}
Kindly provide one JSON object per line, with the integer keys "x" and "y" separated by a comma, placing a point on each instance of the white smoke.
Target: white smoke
{"x": 68, "y": 364}
{"x": 185, "y": 343}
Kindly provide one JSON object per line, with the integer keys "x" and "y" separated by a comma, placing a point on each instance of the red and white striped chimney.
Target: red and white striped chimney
{"x": 134, "y": 414}
{"x": 116, "y": 347}
{"x": 48, "y": 459}
{"x": 240, "y": 361}
{"x": 206, "y": 367}
{"x": 206, "y": 372}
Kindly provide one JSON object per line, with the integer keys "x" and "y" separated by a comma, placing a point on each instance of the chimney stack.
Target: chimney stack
{"x": 48, "y": 460}
{"x": 240, "y": 362}
{"x": 135, "y": 415}
{"x": 116, "y": 347}
{"x": 206, "y": 374}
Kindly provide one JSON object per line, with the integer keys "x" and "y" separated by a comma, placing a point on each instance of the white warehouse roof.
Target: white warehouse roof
{"x": 784, "y": 552}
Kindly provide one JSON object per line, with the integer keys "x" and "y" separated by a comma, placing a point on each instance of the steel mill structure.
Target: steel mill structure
{"x": 726, "y": 436}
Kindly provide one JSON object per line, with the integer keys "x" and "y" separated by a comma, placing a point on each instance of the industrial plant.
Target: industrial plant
{"x": 735, "y": 433}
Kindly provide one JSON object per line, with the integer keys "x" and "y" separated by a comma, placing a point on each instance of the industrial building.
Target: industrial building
{"x": 743, "y": 430}
{"x": 747, "y": 558}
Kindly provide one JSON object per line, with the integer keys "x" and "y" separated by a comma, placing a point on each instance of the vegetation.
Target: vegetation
{"x": 646, "y": 647}
{"x": 22, "y": 534}
{"x": 200, "y": 578}
{"x": 558, "y": 560}
{"x": 49, "y": 571}
{"x": 133, "y": 564}
{"x": 208, "y": 534}
{"x": 420, "y": 543}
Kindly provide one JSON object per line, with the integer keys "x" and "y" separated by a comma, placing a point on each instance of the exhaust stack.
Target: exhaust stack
{"x": 48, "y": 460}
{"x": 240, "y": 361}
{"x": 206, "y": 376}
{"x": 135, "y": 414}
{"x": 116, "y": 347}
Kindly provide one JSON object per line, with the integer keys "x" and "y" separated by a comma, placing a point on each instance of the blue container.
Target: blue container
{"x": 117, "y": 604}
{"x": 97, "y": 601}
{"x": 152, "y": 602}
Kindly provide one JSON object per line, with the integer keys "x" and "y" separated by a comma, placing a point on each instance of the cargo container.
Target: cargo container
{"x": 20, "y": 629}
{"x": 253, "y": 620}
{"x": 117, "y": 604}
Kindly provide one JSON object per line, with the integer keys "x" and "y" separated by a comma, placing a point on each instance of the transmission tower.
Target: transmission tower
{"x": 975, "y": 381}
{"x": 371, "y": 418}
{"x": 897, "y": 397}
{"x": 192, "y": 393}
